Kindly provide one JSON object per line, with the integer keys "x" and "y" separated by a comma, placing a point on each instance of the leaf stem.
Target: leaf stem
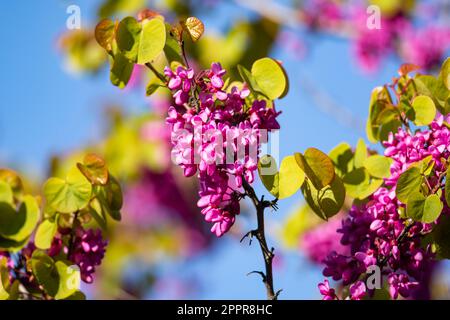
{"x": 183, "y": 52}
{"x": 156, "y": 72}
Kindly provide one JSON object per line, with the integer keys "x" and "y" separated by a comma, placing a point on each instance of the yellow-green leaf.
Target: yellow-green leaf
{"x": 432, "y": 208}
{"x": 291, "y": 177}
{"x": 317, "y": 166}
{"x": 359, "y": 184}
{"x": 342, "y": 157}
{"x": 424, "y": 109}
{"x": 268, "y": 173}
{"x": 69, "y": 279}
{"x": 44, "y": 270}
{"x": 26, "y": 219}
{"x": 17, "y": 226}
{"x": 121, "y": 70}
{"x": 69, "y": 195}
{"x": 378, "y": 166}
{"x": 423, "y": 209}
{"x": 360, "y": 153}
{"x": 4, "y": 279}
{"x": 445, "y": 73}
{"x": 447, "y": 186}
{"x": 379, "y": 100}
{"x": 409, "y": 182}
{"x": 270, "y": 77}
{"x": 152, "y": 40}
{"x": 6, "y": 193}
{"x": 45, "y": 234}
{"x": 97, "y": 211}
{"x": 128, "y": 37}
{"x": 327, "y": 201}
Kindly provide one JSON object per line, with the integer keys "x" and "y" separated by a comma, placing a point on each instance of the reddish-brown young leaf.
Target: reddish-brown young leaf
{"x": 147, "y": 14}
{"x": 94, "y": 168}
{"x": 194, "y": 27}
{"x": 407, "y": 68}
{"x": 105, "y": 33}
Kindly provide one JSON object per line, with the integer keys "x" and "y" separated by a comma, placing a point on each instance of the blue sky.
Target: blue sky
{"x": 44, "y": 110}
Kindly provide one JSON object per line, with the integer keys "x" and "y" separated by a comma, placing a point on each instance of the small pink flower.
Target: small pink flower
{"x": 327, "y": 292}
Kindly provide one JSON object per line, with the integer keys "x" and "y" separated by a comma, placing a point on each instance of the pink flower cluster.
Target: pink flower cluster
{"x": 318, "y": 242}
{"x": 87, "y": 250}
{"x": 372, "y": 45}
{"x": 416, "y": 38}
{"x": 372, "y": 230}
{"x": 424, "y": 46}
{"x": 322, "y": 13}
{"x": 427, "y": 46}
{"x": 406, "y": 149}
{"x": 216, "y": 135}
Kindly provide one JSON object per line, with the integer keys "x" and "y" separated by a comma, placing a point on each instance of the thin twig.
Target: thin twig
{"x": 259, "y": 234}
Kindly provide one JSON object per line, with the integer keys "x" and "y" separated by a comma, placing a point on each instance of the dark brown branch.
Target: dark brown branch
{"x": 259, "y": 234}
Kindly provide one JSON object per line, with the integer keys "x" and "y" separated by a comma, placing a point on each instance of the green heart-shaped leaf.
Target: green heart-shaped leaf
{"x": 424, "y": 110}
{"x": 270, "y": 77}
{"x": 423, "y": 209}
{"x": 268, "y": 173}
{"x": 445, "y": 73}
{"x": 317, "y": 166}
{"x": 6, "y": 193}
{"x": 432, "y": 208}
{"x": 152, "y": 40}
{"x": 447, "y": 186}
{"x": 342, "y": 156}
{"x": 45, "y": 272}
{"x": 127, "y": 37}
{"x": 70, "y": 195}
{"x": 360, "y": 153}
{"x": 408, "y": 183}
{"x": 291, "y": 177}
{"x": 17, "y": 226}
{"x": 378, "y": 166}
{"x": 45, "y": 234}
{"x": 325, "y": 202}
{"x": 121, "y": 70}
{"x": 69, "y": 279}
{"x": 359, "y": 184}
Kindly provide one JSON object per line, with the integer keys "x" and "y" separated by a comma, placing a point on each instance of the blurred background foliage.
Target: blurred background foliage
{"x": 155, "y": 250}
